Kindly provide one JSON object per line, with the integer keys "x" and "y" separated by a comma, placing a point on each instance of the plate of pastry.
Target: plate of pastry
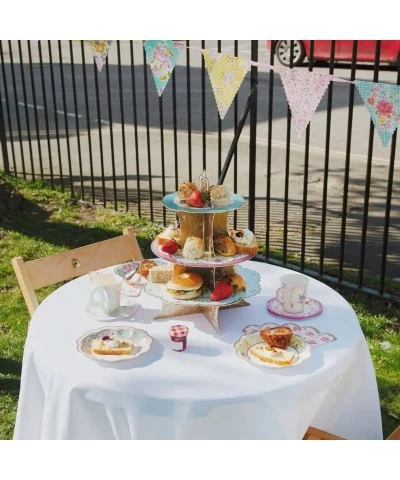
{"x": 188, "y": 288}
{"x": 114, "y": 344}
{"x": 273, "y": 348}
{"x": 234, "y": 247}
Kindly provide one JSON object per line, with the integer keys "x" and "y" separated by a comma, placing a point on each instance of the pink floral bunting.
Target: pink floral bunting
{"x": 304, "y": 91}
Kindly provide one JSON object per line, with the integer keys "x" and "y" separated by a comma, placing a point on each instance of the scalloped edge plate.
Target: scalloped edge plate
{"x": 253, "y": 288}
{"x": 301, "y": 349}
{"x": 218, "y": 261}
{"x": 172, "y": 202}
{"x": 141, "y": 343}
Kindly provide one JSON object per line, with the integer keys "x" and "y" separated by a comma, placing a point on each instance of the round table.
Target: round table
{"x": 205, "y": 392}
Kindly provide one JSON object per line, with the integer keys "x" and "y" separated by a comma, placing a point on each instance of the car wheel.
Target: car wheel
{"x": 283, "y": 52}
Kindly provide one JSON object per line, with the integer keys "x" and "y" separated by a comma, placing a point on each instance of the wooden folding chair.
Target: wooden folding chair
{"x": 45, "y": 271}
{"x": 316, "y": 434}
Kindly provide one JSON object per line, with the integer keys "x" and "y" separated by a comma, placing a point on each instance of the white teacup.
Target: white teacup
{"x": 293, "y": 292}
{"x": 107, "y": 294}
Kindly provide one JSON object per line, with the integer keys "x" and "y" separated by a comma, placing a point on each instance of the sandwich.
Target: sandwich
{"x": 160, "y": 274}
{"x": 245, "y": 241}
{"x": 185, "y": 286}
{"x": 266, "y": 354}
{"x": 219, "y": 196}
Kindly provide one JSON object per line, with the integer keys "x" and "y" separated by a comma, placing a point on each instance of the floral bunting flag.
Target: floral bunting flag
{"x": 100, "y": 49}
{"x": 162, "y": 56}
{"x": 226, "y": 75}
{"x": 304, "y": 91}
{"x": 383, "y": 104}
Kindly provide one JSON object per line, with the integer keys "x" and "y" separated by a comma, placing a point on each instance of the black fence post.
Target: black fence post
{"x": 253, "y": 137}
{"x": 3, "y": 139}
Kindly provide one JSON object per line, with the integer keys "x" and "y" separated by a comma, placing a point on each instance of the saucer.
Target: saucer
{"x": 312, "y": 308}
{"x": 124, "y": 312}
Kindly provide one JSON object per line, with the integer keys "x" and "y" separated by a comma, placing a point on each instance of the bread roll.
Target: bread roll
{"x": 193, "y": 248}
{"x": 237, "y": 282}
{"x": 224, "y": 246}
{"x": 186, "y": 189}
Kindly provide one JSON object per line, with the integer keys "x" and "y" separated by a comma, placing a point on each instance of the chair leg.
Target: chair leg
{"x": 395, "y": 435}
{"x": 317, "y": 434}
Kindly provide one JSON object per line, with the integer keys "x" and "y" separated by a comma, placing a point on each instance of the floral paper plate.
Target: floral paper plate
{"x": 141, "y": 342}
{"x": 298, "y": 346}
{"x": 253, "y": 288}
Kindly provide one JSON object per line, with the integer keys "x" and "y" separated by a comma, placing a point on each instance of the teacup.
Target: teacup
{"x": 107, "y": 294}
{"x": 293, "y": 292}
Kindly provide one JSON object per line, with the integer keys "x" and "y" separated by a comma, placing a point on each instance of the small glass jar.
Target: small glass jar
{"x": 178, "y": 335}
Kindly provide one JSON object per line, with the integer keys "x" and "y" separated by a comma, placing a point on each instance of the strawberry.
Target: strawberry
{"x": 170, "y": 247}
{"x": 222, "y": 290}
{"x": 195, "y": 199}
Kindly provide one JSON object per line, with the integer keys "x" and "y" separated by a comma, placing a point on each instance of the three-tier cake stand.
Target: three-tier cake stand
{"x": 206, "y": 223}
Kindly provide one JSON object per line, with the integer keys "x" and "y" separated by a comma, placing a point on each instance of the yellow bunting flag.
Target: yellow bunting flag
{"x": 226, "y": 75}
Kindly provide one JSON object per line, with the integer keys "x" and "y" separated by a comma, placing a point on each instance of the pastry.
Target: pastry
{"x": 268, "y": 354}
{"x": 193, "y": 248}
{"x": 186, "y": 189}
{"x": 185, "y": 286}
{"x": 245, "y": 241}
{"x": 224, "y": 246}
{"x": 111, "y": 346}
{"x": 279, "y": 337}
{"x": 145, "y": 266}
{"x": 170, "y": 233}
{"x": 238, "y": 283}
{"x": 220, "y": 196}
{"x": 160, "y": 274}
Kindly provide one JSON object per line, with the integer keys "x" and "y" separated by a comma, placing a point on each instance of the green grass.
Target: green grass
{"x": 51, "y": 222}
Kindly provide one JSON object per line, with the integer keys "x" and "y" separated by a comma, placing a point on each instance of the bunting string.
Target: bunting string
{"x": 304, "y": 89}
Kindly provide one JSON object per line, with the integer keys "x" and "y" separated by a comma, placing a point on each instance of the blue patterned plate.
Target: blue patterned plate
{"x": 253, "y": 288}
{"x": 172, "y": 202}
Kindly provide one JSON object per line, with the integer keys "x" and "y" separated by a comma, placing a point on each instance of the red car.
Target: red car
{"x": 343, "y": 50}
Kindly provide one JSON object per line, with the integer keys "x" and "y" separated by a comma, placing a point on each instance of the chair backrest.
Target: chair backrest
{"x": 46, "y": 271}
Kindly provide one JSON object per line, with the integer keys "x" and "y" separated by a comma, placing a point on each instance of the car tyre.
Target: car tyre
{"x": 283, "y": 52}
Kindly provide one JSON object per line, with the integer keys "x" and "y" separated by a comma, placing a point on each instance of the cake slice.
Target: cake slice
{"x": 111, "y": 346}
{"x": 267, "y": 354}
{"x": 160, "y": 274}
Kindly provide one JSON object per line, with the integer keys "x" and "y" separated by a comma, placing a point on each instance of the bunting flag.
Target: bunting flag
{"x": 162, "y": 56}
{"x": 100, "y": 49}
{"x": 304, "y": 91}
{"x": 226, "y": 75}
{"x": 383, "y": 104}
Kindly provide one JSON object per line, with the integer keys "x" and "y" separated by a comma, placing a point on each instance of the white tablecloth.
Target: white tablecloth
{"x": 206, "y": 392}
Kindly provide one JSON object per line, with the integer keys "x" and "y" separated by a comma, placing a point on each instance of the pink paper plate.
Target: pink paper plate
{"x": 312, "y": 308}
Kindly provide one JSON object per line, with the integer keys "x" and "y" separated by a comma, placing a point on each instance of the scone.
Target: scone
{"x": 186, "y": 189}
{"x": 245, "y": 241}
{"x": 279, "y": 337}
{"x": 224, "y": 246}
{"x": 145, "y": 266}
{"x": 237, "y": 281}
{"x": 160, "y": 274}
{"x": 111, "y": 346}
{"x": 193, "y": 248}
{"x": 219, "y": 196}
{"x": 170, "y": 233}
{"x": 267, "y": 354}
